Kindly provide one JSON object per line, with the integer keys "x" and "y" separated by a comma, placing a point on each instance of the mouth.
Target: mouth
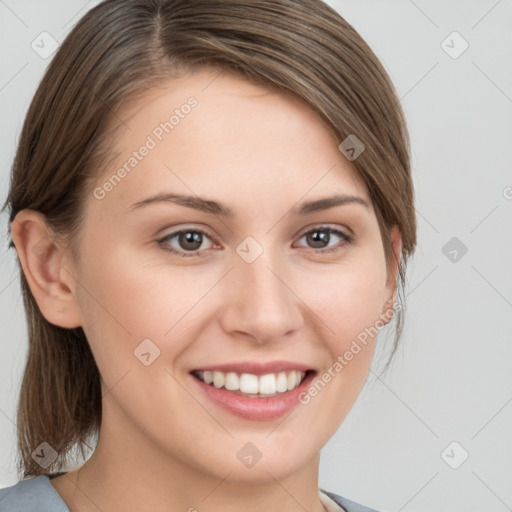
{"x": 254, "y": 392}
{"x": 251, "y": 385}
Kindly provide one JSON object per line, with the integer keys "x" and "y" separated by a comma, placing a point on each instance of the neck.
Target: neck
{"x": 128, "y": 472}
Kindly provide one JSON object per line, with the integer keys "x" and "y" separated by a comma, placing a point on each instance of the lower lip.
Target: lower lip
{"x": 255, "y": 409}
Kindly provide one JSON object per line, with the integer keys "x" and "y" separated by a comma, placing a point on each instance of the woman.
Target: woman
{"x": 265, "y": 134}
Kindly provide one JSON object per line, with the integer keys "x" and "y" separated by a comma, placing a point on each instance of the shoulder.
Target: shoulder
{"x": 38, "y": 495}
{"x": 32, "y": 495}
{"x": 346, "y": 504}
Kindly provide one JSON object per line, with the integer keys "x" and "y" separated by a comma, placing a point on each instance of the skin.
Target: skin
{"x": 163, "y": 445}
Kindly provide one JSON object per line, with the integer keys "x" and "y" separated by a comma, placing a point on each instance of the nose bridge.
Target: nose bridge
{"x": 262, "y": 303}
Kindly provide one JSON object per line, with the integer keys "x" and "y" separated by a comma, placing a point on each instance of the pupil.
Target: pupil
{"x": 190, "y": 237}
{"x": 321, "y": 237}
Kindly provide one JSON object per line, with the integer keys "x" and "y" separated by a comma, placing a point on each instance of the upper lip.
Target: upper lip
{"x": 256, "y": 368}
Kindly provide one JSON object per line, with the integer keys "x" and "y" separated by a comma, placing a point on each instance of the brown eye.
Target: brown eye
{"x": 319, "y": 239}
{"x": 188, "y": 242}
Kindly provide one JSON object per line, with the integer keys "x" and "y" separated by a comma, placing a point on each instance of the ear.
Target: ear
{"x": 392, "y": 275}
{"x": 43, "y": 261}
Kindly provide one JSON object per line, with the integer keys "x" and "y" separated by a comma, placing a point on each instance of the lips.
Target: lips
{"x": 257, "y": 368}
{"x": 254, "y": 391}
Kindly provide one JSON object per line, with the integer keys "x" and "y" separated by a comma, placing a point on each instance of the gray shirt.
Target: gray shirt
{"x": 38, "y": 495}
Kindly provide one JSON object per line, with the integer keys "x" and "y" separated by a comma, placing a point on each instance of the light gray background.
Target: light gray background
{"x": 451, "y": 380}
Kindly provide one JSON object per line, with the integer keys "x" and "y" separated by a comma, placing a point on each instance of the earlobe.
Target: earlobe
{"x": 42, "y": 261}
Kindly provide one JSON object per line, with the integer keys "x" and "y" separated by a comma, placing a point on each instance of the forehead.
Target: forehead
{"x": 213, "y": 133}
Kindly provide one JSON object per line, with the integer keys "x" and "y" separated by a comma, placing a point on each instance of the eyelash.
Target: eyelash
{"x": 346, "y": 239}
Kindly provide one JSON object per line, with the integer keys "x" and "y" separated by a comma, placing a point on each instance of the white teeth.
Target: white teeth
{"x": 267, "y": 384}
{"x": 248, "y": 383}
{"x": 281, "y": 383}
{"x": 218, "y": 379}
{"x": 290, "y": 381}
{"x": 264, "y": 385}
{"x": 232, "y": 381}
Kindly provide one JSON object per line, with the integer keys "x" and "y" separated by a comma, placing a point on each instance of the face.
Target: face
{"x": 203, "y": 260}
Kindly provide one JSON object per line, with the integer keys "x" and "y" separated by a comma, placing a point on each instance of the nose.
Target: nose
{"x": 261, "y": 302}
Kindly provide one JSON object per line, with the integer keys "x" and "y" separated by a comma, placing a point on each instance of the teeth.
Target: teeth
{"x": 264, "y": 385}
{"x": 290, "y": 381}
{"x": 248, "y": 383}
{"x": 218, "y": 379}
{"x": 232, "y": 381}
{"x": 267, "y": 384}
{"x": 281, "y": 382}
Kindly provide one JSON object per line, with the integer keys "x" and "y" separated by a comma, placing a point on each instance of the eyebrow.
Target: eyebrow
{"x": 216, "y": 208}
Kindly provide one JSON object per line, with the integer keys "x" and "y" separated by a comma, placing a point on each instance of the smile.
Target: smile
{"x": 252, "y": 385}
{"x": 257, "y": 392}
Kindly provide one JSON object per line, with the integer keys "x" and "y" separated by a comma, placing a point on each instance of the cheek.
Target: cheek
{"x": 348, "y": 298}
{"x": 126, "y": 301}
{"x": 122, "y": 294}
{"x": 348, "y": 302}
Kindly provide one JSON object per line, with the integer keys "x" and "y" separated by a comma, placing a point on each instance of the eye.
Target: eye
{"x": 320, "y": 237}
{"x": 189, "y": 242}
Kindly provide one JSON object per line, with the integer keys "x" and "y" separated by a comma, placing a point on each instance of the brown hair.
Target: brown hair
{"x": 117, "y": 51}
